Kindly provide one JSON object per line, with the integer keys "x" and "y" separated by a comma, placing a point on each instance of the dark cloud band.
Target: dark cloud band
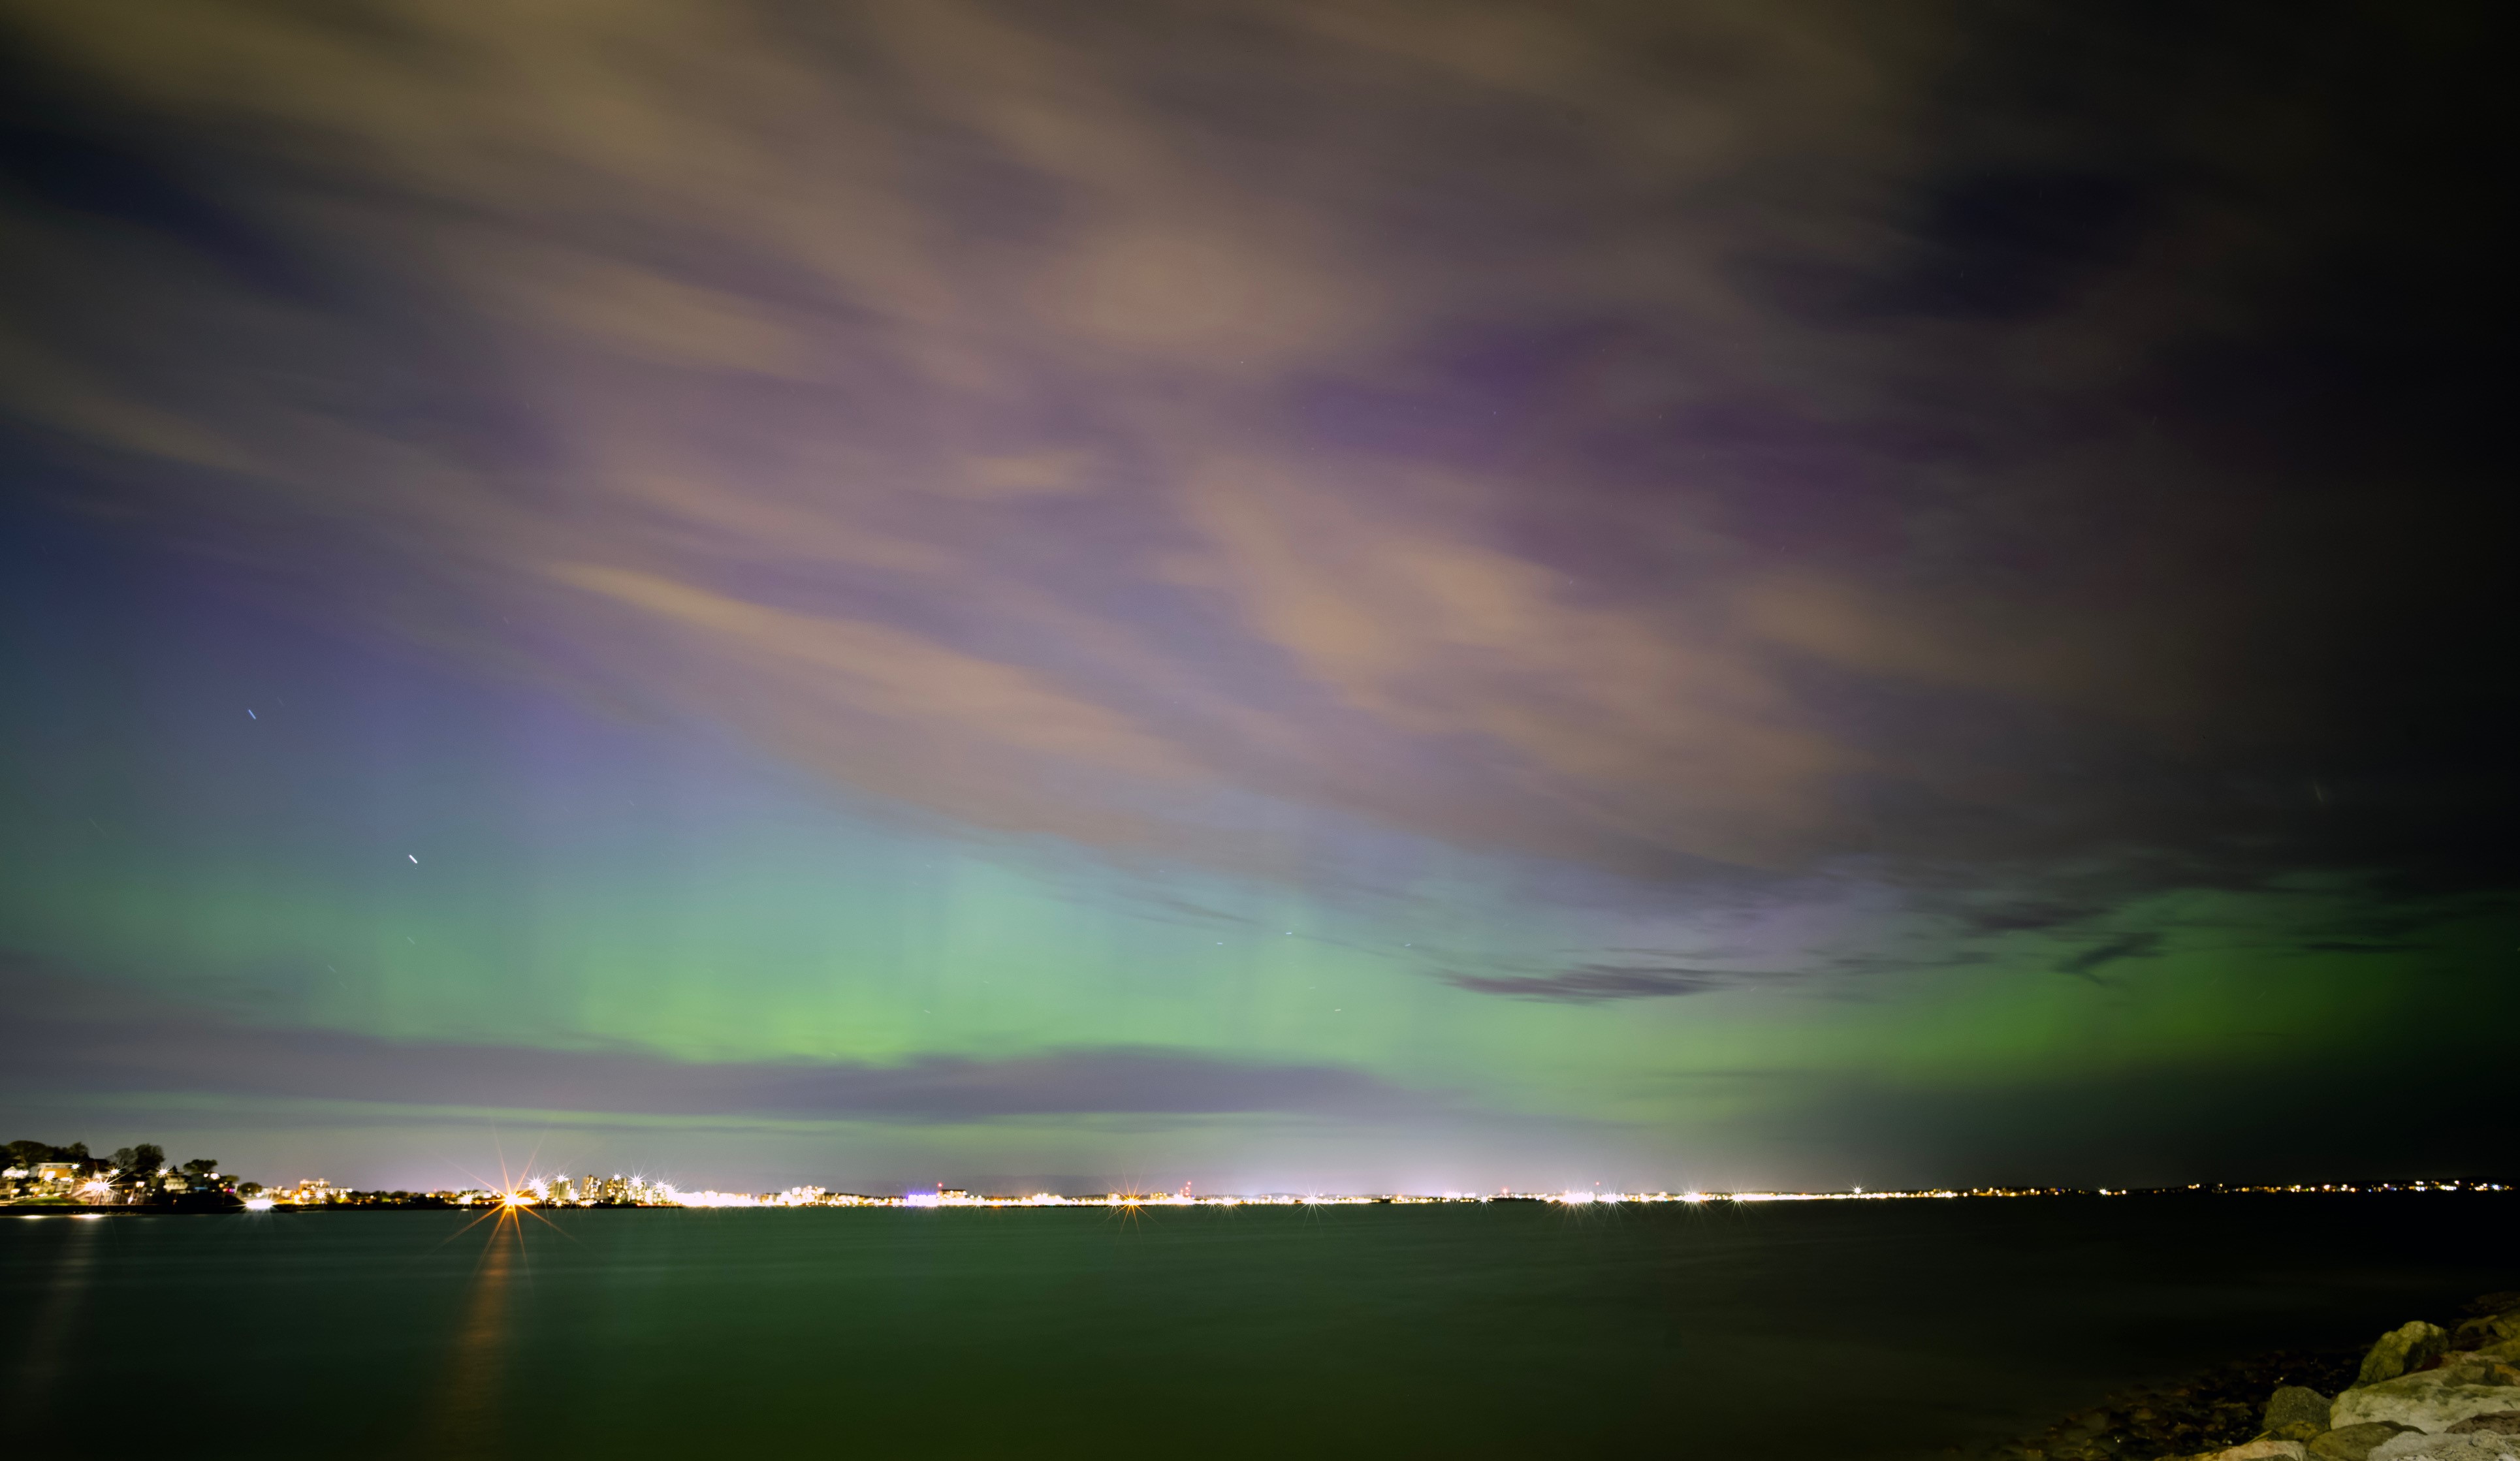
{"x": 1600, "y": 984}
{"x": 70, "y": 1039}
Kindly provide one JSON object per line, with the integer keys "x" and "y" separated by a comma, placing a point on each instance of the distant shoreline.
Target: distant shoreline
{"x": 356, "y": 1201}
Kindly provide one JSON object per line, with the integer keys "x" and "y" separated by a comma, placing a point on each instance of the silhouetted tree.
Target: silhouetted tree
{"x": 139, "y": 1162}
{"x": 28, "y": 1153}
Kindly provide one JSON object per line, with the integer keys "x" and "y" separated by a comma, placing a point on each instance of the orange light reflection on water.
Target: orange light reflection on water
{"x": 466, "y": 1406}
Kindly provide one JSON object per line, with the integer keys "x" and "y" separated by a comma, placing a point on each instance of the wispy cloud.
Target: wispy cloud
{"x": 80, "y": 1039}
{"x": 1598, "y": 984}
{"x": 1594, "y": 436}
{"x": 2088, "y": 962}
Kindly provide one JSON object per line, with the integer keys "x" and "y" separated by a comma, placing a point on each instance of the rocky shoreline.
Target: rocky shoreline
{"x": 2421, "y": 1392}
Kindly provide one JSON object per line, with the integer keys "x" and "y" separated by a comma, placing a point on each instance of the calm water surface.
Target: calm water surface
{"x": 1787, "y": 1330}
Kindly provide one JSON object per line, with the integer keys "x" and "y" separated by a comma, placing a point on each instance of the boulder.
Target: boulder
{"x": 2485, "y": 1329}
{"x": 2296, "y": 1414}
{"x": 2409, "y": 1346}
{"x": 2264, "y": 1448}
{"x": 2432, "y": 1401}
{"x": 2353, "y": 1442}
{"x": 2492, "y": 1422}
{"x": 2478, "y": 1368}
{"x": 2416, "y": 1445}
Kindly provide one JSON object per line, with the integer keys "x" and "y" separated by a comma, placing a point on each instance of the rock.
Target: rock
{"x": 2416, "y": 1445}
{"x": 2492, "y": 1422}
{"x": 2409, "y": 1346}
{"x": 2353, "y": 1443}
{"x": 2432, "y": 1401}
{"x": 2200, "y": 1415}
{"x": 2261, "y": 1450}
{"x": 2480, "y": 1369}
{"x": 2296, "y": 1414}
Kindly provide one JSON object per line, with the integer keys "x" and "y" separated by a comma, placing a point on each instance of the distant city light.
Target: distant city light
{"x": 57, "y": 1183}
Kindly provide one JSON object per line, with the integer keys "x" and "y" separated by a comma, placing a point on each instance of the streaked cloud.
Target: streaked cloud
{"x": 79, "y": 1041}
{"x": 2088, "y": 962}
{"x": 1597, "y": 984}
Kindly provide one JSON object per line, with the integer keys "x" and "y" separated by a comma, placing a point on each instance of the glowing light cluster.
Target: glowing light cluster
{"x": 645, "y": 1192}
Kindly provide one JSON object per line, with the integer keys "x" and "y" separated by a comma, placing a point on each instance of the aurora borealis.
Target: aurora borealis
{"x": 1294, "y": 596}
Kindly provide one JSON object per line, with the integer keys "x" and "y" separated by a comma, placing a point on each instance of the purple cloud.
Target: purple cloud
{"x": 1596, "y": 984}
{"x": 83, "y": 1038}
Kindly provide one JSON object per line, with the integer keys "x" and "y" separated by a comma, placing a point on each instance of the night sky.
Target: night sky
{"x": 1292, "y": 596}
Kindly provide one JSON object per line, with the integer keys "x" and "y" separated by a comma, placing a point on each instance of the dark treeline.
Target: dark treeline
{"x": 39, "y": 1169}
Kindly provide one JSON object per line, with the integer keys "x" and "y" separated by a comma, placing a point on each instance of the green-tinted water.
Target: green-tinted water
{"x": 1846, "y": 1329}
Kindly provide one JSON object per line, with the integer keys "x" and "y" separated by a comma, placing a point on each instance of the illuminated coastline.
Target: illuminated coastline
{"x": 649, "y": 1193}
{"x": 72, "y": 1178}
